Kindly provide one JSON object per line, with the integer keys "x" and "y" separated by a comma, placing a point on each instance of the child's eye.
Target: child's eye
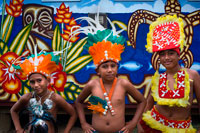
{"x": 171, "y": 53}
{"x": 105, "y": 66}
{"x": 113, "y": 65}
{"x": 39, "y": 80}
{"x": 32, "y": 82}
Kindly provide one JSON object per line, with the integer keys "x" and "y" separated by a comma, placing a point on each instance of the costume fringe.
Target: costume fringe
{"x": 158, "y": 126}
{"x": 183, "y": 102}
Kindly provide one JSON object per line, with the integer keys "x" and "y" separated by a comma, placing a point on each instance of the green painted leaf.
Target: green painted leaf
{"x": 75, "y": 50}
{"x": 56, "y": 42}
{"x": 78, "y": 64}
{"x": 71, "y": 91}
{"x": 20, "y": 40}
{"x": 3, "y": 48}
{"x": 7, "y": 27}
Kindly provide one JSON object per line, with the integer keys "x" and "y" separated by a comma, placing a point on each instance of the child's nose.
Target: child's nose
{"x": 166, "y": 56}
{"x": 36, "y": 84}
{"x": 109, "y": 68}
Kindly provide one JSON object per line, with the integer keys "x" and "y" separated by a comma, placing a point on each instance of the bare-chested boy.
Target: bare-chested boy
{"x": 42, "y": 103}
{"x": 107, "y": 92}
{"x": 173, "y": 90}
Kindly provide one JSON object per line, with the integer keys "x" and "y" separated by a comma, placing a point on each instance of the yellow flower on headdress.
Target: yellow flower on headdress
{"x": 166, "y": 33}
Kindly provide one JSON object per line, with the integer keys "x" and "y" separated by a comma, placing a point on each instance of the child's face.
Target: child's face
{"x": 169, "y": 58}
{"x": 38, "y": 83}
{"x": 108, "y": 70}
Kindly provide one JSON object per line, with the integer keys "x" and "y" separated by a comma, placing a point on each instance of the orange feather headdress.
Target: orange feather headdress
{"x": 104, "y": 51}
{"x": 102, "y": 44}
{"x": 42, "y": 63}
{"x": 47, "y": 64}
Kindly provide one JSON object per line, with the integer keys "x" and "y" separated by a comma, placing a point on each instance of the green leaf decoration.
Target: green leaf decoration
{"x": 78, "y": 64}
{"x": 56, "y": 42}
{"x": 95, "y": 100}
{"x": 7, "y": 27}
{"x": 20, "y": 40}
{"x": 71, "y": 91}
{"x": 25, "y": 87}
{"x": 75, "y": 50}
{"x": 3, "y": 48}
{"x": 100, "y": 36}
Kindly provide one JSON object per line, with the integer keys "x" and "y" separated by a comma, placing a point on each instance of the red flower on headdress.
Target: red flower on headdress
{"x": 9, "y": 77}
{"x": 15, "y": 8}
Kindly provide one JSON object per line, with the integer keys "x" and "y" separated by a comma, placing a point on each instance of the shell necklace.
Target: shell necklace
{"x": 108, "y": 96}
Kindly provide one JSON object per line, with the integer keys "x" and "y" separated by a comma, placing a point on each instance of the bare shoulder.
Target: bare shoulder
{"x": 56, "y": 97}
{"x": 126, "y": 84}
{"x": 123, "y": 82}
{"x": 22, "y": 102}
{"x": 192, "y": 73}
{"x": 92, "y": 83}
{"x": 26, "y": 97}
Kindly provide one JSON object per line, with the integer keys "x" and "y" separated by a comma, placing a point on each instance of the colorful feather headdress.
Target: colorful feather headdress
{"x": 102, "y": 44}
{"x": 47, "y": 64}
{"x": 166, "y": 33}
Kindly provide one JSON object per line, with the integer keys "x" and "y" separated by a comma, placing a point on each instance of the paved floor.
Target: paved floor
{"x": 62, "y": 120}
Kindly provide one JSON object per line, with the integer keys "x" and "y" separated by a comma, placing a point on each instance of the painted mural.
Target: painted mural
{"x": 48, "y": 25}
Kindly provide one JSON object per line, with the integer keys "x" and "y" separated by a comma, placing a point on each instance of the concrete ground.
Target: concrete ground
{"x": 6, "y": 124}
{"x": 62, "y": 120}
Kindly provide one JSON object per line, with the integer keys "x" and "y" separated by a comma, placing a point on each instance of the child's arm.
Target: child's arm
{"x": 149, "y": 106}
{"x": 68, "y": 108}
{"x": 136, "y": 95}
{"x": 21, "y": 103}
{"x": 196, "y": 85}
{"x": 80, "y": 107}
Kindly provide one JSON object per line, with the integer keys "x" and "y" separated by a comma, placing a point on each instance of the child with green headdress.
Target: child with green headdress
{"x": 107, "y": 100}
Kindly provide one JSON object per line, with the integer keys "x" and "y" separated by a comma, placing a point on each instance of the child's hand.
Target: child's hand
{"x": 20, "y": 131}
{"x": 140, "y": 129}
{"x": 128, "y": 128}
{"x": 87, "y": 128}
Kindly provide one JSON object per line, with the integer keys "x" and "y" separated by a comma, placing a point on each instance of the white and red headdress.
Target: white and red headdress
{"x": 166, "y": 33}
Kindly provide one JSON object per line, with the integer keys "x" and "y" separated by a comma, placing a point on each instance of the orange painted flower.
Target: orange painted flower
{"x": 15, "y": 8}
{"x": 69, "y": 29}
{"x": 63, "y": 15}
{"x": 9, "y": 77}
{"x": 59, "y": 79}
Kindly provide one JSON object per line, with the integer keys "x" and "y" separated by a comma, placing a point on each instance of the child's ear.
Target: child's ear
{"x": 49, "y": 80}
{"x": 98, "y": 74}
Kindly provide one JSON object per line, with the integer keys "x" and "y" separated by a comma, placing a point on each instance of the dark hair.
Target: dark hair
{"x": 36, "y": 73}
{"x": 96, "y": 69}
